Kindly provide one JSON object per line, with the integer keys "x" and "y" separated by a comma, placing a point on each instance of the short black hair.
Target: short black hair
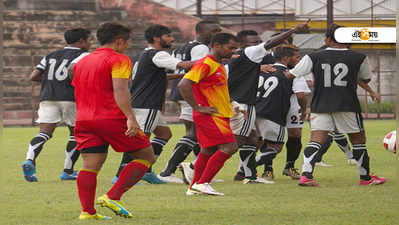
{"x": 198, "y": 26}
{"x": 74, "y": 35}
{"x": 331, "y": 30}
{"x": 244, "y": 33}
{"x": 222, "y": 38}
{"x": 284, "y": 50}
{"x": 109, "y": 32}
{"x": 155, "y": 31}
{"x": 289, "y": 39}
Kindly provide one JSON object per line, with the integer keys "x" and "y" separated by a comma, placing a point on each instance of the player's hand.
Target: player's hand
{"x": 304, "y": 114}
{"x": 303, "y": 26}
{"x": 239, "y": 109}
{"x": 267, "y": 68}
{"x": 206, "y": 109}
{"x": 376, "y": 97}
{"x": 132, "y": 127}
{"x": 234, "y": 56}
{"x": 288, "y": 74}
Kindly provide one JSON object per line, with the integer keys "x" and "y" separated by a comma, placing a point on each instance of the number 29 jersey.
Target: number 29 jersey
{"x": 273, "y": 96}
{"x": 336, "y": 72}
{"x": 55, "y": 83}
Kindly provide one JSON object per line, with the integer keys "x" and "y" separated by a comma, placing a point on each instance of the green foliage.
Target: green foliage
{"x": 340, "y": 200}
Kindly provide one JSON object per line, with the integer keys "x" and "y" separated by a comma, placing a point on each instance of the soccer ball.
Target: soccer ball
{"x": 390, "y": 141}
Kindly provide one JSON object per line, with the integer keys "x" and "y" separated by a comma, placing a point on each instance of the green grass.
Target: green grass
{"x": 340, "y": 200}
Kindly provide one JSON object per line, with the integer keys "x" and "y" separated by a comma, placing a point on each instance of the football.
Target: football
{"x": 390, "y": 141}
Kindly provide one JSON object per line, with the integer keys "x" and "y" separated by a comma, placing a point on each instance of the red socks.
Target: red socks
{"x": 199, "y": 167}
{"x": 130, "y": 175}
{"x": 87, "y": 183}
{"x": 215, "y": 163}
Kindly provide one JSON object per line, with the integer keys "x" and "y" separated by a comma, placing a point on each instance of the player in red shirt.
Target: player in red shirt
{"x": 205, "y": 89}
{"x": 104, "y": 117}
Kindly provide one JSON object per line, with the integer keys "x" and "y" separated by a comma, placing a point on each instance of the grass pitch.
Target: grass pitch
{"x": 340, "y": 200}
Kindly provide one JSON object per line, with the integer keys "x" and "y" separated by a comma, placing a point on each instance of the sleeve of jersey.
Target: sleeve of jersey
{"x": 197, "y": 72}
{"x": 121, "y": 67}
{"x": 199, "y": 52}
{"x": 42, "y": 64}
{"x": 303, "y": 68}
{"x": 299, "y": 85}
{"x": 256, "y": 53}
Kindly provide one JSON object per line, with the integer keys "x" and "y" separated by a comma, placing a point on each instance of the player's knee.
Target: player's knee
{"x": 358, "y": 138}
{"x": 294, "y": 132}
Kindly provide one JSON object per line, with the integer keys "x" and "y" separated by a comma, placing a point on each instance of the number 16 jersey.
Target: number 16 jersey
{"x": 55, "y": 83}
{"x": 336, "y": 72}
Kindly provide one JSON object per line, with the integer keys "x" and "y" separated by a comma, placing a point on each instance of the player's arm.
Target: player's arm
{"x": 172, "y": 76}
{"x": 375, "y": 96}
{"x": 267, "y": 68}
{"x": 36, "y": 75}
{"x": 186, "y": 90}
{"x": 280, "y": 38}
{"x": 121, "y": 71}
{"x": 302, "y": 101}
{"x": 71, "y": 72}
{"x": 365, "y": 76}
{"x": 164, "y": 60}
{"x": 122, "y": 99}
{"x": 72, "y": 64}
{"x": 302, "y": 68}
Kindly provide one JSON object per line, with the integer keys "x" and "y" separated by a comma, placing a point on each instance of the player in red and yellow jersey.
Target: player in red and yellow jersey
{"x": 104, "y": 117}
{"x": 204, "y": 87}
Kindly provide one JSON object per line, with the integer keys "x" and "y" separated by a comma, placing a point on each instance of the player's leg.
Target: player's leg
{"x": 162, "y": 135}
{"x": 49, "y": 115}
{"x": 129, "y": 176}
{"x": 147, "y": 119}
{"x": 273, "y": 135}
{"x": 323, "y": 150}
{"x": 294, "y": 146}
{"x": 343, "y": 144}
{"x": 207, "y": 167}
{"x": 352, "y": 124}
{"x": 139, "y": 148}
{"x": 242, "y": 128}
{"x": 182, "y": 149}
{"x": 320, "y": 125}
{"x": 93, "y": 159}
{"x": 217, "y": 146}
{"x": 71, "y": 156}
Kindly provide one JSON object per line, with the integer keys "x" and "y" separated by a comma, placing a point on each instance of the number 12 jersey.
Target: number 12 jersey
{"x": 336, "y": 72}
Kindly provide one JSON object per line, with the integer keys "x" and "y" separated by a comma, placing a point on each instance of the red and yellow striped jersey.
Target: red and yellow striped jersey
{"x": 210, "y": 85}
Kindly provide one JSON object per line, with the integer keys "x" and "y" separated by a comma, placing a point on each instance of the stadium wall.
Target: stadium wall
{"x": 33, "y": 29}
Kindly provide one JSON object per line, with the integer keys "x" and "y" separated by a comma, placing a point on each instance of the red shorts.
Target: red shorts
{"x": 212, "y": 130}
{"x": 94, "y": 133}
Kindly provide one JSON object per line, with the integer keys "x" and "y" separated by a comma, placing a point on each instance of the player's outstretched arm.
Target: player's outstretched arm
{"x": 122, "y": 99}
{"x": 186, "y": 91}
{"x": 280, "y": 38}
{"x": 36, "y": 75}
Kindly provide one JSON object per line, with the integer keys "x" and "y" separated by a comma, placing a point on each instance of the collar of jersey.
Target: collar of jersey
{"x": 69, "y": 47}
{"x": 279, "y": 64}
{"x": 337, "y": 49}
